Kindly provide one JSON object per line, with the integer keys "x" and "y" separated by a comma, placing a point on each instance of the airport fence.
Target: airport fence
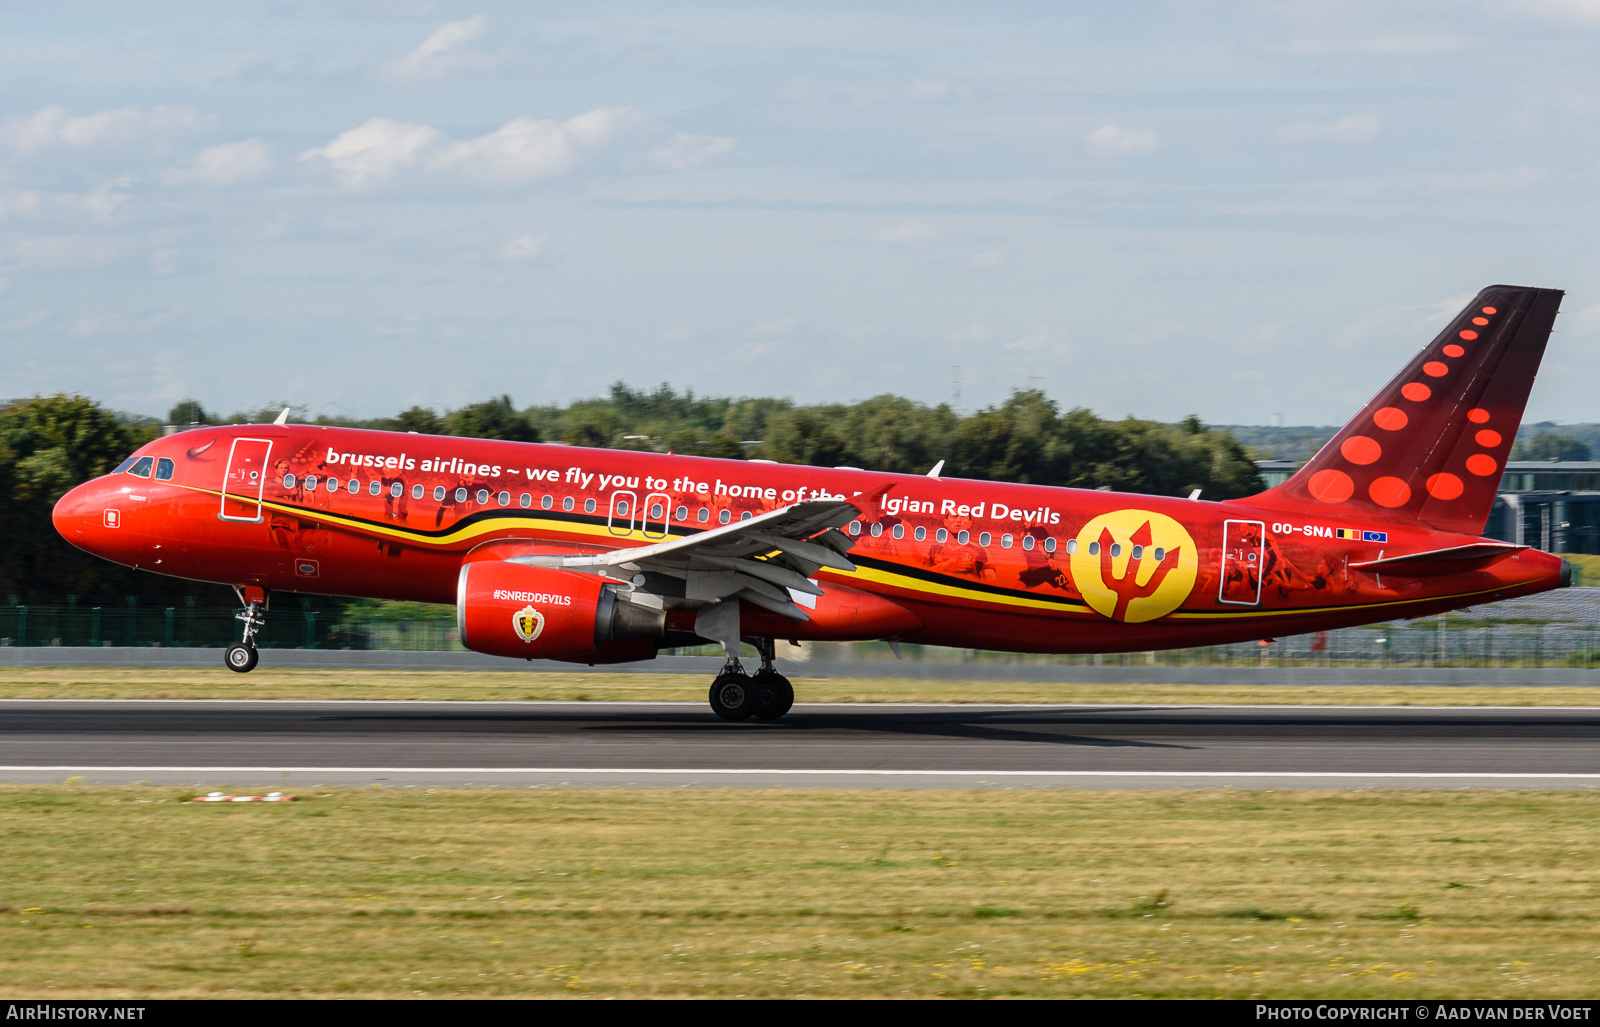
{"x": 309, "y": 623}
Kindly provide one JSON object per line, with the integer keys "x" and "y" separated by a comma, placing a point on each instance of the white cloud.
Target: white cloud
{"x": 225, "y": 165}
{"x": 103, "y": 324}
{"x": 524, "y": 247}
{"x": 522, "y": 150}
{"x": 1116, "y": 141}
{"x": 64, "y": 252}
{"x": 53, "y": 128}
{"x": 33, "y": 205}
{"x": 1350, "y": 130}
{"x": 1498, "y": 180}
{"x": 375, "y": 151}
{"x": 685, "y": 150}
{"x": 443, "y": 54}
{"x": 985, "y": 259}
{"x": 927, "y": 90}
{"x": 24, "y": 323}
{"x": 1582, "y": 12}
{"x": 1587, "y": 321}
{"x": 1377, "y": 46}
{"x": 909, "y": 233}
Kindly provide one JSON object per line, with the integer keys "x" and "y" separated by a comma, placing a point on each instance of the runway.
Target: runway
{"x": 516, "y": 744}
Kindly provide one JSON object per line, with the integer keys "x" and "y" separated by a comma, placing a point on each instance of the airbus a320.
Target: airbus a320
{"x": 604, "y": 556}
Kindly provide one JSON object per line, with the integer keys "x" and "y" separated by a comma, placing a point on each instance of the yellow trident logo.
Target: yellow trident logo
{"x": 1134, "y": 565}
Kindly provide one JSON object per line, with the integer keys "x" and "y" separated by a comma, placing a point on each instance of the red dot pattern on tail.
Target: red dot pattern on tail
{"x": 1334, "y": 486}
{"x": 1445, "y": 485}
{"x": 1390, "y": 419}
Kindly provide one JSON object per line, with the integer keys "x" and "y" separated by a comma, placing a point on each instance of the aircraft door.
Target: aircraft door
{"x": 657, "y": 510}
{"x": 245, "y": 480}
{"x": 624, "y": 508}
{"x": 1243, "y": 556}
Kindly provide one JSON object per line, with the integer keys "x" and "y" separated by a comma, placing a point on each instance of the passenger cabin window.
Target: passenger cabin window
{"x": 941, "y": 535}
{"x": 547, "y": 502}
{"x": 311, "y": 483}
{"x": 985, "y": 538}
{"x": 525, "y": 501}
{"x": 566, "y": 503}
{"x": 354, "y": 486}
{"x": 921, "y": 533}
{"x": 877, "y": 529}
{"x": 164, "y": 469}
{"x": 461, "y": 495}
{"x": 703, "y": 516}
{"x": 1050, "y": 546}
{"x": 376, "y": 488}
{"x": 1027, "y": 542}
{"x": 655, "y": 511}
{"x": 899, "y": 531}
{"x": 288, "y": 481}
{"x": 682, "y": 513}
{"x": 397, "y": 490}
{"x": 963, "y": 536}
{"x": 745, "y": 516}
{"x": 483, "y": 495}
{"x": 724, "y": 517}
{"x": 438, "y": 493}
{"x": 333, "y": 485}
{"x": 1005, "y": 541}
{"x": 855, "y": 527}
{"x": 504, "y": 499}
{"x": 143, "y": 468}
{"x": 418, "y": 491}
{"x": 588, "y": 506}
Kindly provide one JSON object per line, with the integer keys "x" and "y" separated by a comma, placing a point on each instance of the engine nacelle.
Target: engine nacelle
{"x": 540, "y": 613}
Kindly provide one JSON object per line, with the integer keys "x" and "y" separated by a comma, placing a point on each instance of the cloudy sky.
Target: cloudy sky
{"x": 1238, "y": 210}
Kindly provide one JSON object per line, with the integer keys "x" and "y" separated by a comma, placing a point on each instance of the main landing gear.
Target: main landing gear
{"x": 241, "y": 657}
{"x": 765, "y": 695}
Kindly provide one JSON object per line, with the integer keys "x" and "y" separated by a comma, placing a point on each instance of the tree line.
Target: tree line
{"x": 49, "y": 444}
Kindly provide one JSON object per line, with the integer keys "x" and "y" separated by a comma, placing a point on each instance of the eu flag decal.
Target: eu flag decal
{"x": 1374, "y": 536}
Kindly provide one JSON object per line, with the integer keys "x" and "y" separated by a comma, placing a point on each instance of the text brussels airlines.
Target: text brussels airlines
{"x": 404, "y": 463}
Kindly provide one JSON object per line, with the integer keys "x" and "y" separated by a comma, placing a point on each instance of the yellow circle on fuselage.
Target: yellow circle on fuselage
{"x": 1119, "y": 584}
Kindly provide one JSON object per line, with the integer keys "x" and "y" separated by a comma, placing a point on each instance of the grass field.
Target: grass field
{"x": 263, "y": 683}
{"x": 131, "y": 891}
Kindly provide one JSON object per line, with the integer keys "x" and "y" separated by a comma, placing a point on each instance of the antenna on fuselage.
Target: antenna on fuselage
{"x": 282, "y": 418}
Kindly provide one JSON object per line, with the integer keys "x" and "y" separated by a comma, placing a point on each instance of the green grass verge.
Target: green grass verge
{"x": 264, "y": 683}
{"x": 132, "y": 892}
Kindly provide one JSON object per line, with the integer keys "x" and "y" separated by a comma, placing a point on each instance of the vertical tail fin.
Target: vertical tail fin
{"x": 1433, "y": 443}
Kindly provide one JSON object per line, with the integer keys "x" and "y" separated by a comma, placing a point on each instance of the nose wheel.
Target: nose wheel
{"x": 764, "y": 695}
{"x": 241, "y": 657}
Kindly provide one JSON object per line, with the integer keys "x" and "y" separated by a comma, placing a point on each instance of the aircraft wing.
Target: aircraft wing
{"x": 763, "y": 560}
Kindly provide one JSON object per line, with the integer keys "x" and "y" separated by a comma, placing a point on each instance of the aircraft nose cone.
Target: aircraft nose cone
{"x": 79, "y": 515}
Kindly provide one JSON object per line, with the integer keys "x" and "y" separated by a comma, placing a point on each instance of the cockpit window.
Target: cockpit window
{"x": 164, "y": 469}
{"x": 124, "y": 465}
{"x": 143, "y": 467}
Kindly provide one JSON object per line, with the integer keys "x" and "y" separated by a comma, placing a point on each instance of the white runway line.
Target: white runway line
{"x": 726, "y": 772}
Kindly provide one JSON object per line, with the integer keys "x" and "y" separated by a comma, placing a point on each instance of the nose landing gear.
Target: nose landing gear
{"x": 241, "y": 657}
{"x": 765, "y": 695}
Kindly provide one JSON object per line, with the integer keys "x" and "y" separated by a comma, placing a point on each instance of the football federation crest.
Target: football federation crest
{"x": 1134, "y": 565}
{"x": 528, "y": 623}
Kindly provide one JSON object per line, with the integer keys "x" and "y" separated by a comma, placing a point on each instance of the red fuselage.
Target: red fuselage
{"x": 980, "y": 564}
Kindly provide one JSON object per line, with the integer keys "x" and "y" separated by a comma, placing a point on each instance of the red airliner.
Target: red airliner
{"x": 602, "y": 556}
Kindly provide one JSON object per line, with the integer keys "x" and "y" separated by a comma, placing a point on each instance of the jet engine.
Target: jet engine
{"x": 540, "y": 613}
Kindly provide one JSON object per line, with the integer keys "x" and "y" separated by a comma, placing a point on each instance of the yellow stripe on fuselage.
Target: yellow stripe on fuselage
{"x": 893, "y": 579}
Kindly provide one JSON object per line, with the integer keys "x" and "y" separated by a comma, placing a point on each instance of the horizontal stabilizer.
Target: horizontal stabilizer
{"x": 1436, "y": 562}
